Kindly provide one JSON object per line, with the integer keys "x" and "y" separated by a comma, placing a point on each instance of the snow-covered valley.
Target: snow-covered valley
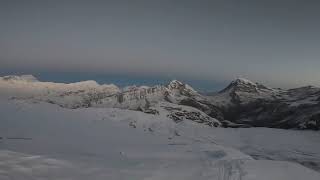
{"x": 43, "y": 139}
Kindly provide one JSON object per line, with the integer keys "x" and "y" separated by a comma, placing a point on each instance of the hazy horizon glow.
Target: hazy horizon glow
{"x": 270, "y": 41}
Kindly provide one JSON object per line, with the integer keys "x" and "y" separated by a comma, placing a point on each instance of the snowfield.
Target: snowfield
{"x": 44, "y": 141}
{"x": 39, "y": 140}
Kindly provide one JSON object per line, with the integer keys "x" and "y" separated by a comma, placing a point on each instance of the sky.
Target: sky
{"x": 276, "y": 42}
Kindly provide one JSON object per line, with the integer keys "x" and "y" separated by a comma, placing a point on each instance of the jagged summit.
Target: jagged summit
{"x": 243, "y": 81}
{"x": 245, "y": 85}
{"x": 181, "y": 87}
{"x": 241, "y": 84}
{"x": 175, "y": 84}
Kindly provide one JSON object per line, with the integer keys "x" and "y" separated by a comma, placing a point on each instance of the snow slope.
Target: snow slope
{"x": 86, "y": 144}
{"x": 44, "y": 141}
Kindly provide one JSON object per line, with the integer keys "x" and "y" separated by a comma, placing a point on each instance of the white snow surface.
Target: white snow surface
{"x": 43, "y": 141}
{"x": 25, "y": 78}
{"x": 22, "y": 88}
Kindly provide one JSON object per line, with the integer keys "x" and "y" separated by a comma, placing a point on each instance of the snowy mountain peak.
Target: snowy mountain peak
{"x": 243, "y": 81}
{"x": 183, "y": 88}
{"x": 242, "y": 85}
{"x": 175, "y": 84}
{"x": 245, "y": 85}
{"x": 24, "y": 78}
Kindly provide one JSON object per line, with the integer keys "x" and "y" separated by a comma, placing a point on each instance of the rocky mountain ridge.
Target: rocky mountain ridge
{"x": 241, "y": 104}
{"x": 253, "y": 104}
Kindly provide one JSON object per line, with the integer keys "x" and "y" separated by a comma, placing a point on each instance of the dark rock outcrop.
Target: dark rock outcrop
{"x": 256, "y": 105}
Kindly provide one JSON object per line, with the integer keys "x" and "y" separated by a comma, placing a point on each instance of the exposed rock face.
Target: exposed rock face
{"x": 181, "y": 88}
{"x": 253, "y": 104}
{"x": 179, "y": 113}
{"x": 204, "y": 106}
{"x": 275, "y": 114}
{"x": 241, "y": 104}
{"x": 242, "y": 91}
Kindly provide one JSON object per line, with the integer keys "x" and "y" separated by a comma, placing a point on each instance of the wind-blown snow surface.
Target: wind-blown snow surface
{"x": 44, "y": 141}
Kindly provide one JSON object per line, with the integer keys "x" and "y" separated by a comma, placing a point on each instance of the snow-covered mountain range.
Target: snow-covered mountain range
{"x": 241, "y": 104}
{"x": 89, "y": 131}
